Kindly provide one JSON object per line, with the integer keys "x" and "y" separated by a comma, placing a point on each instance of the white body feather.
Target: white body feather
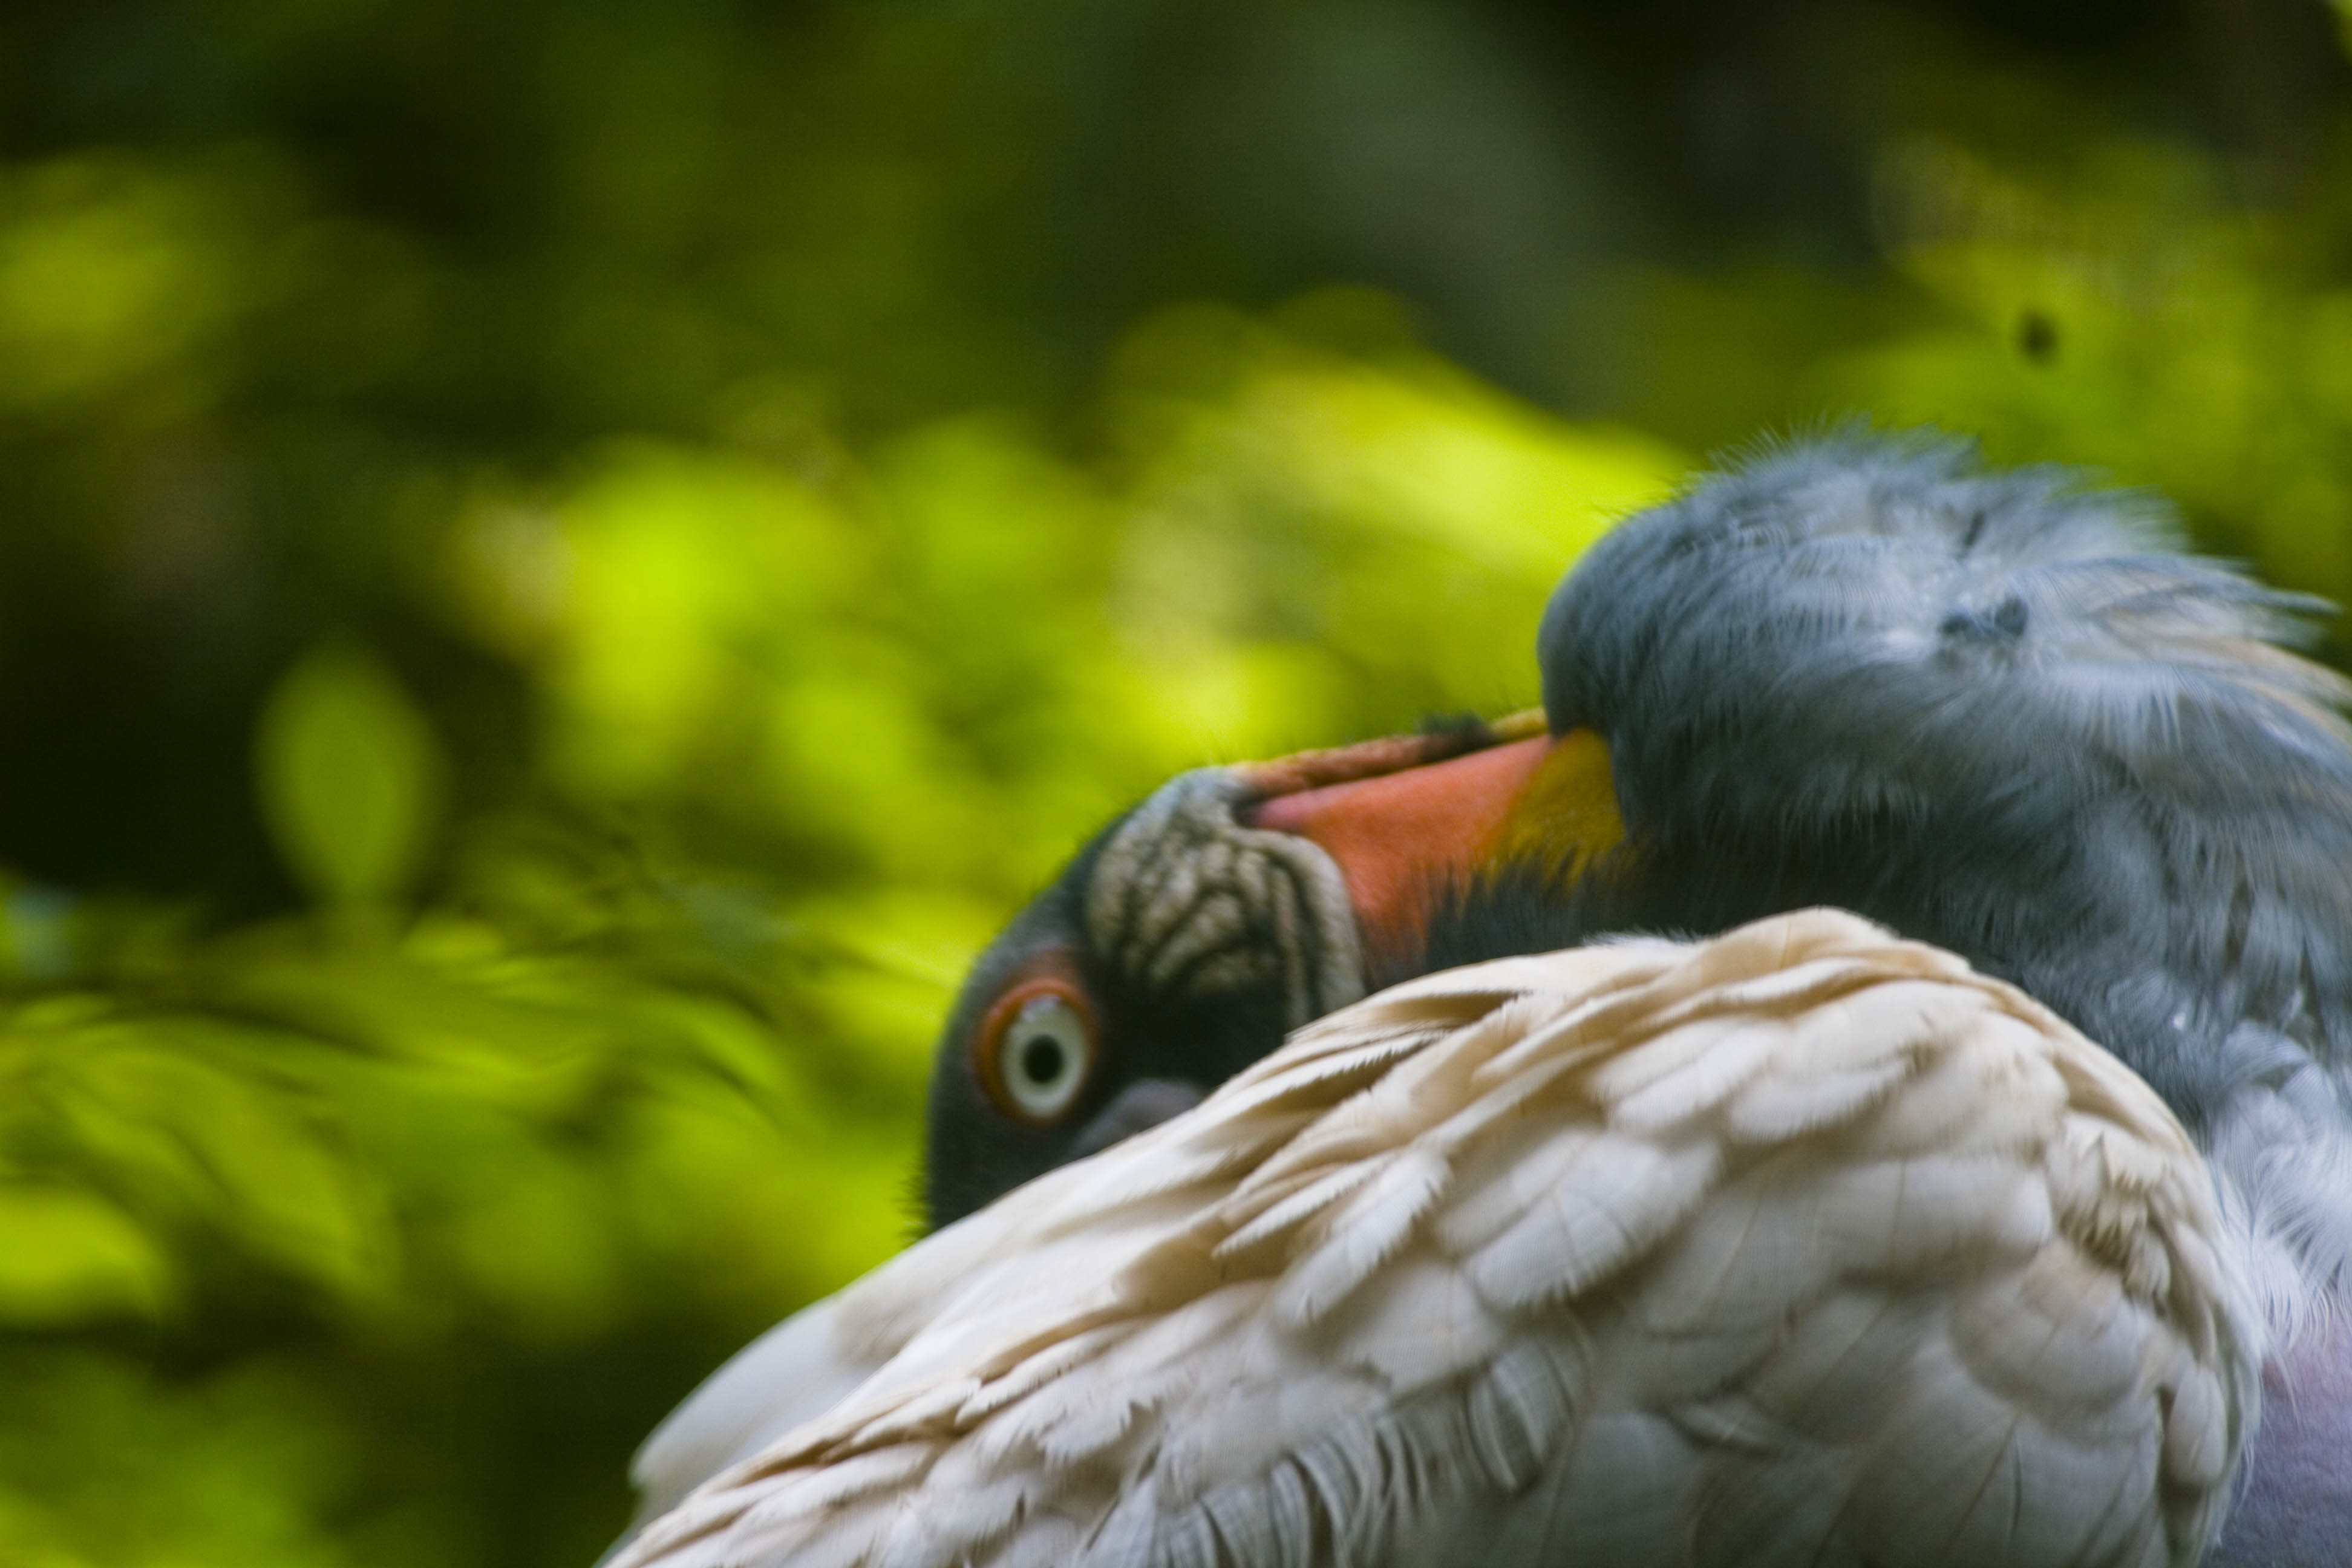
{"x": 1803, "y": 1245}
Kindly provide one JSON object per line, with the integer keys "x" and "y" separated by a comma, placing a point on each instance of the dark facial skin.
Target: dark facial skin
{"x": 1156, "y": 1052}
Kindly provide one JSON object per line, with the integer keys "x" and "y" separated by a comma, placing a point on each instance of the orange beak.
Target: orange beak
{"x": 1411, "y": 819}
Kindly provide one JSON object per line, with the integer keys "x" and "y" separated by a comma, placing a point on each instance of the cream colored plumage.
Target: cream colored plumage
{"x": 1800, "y": 1245}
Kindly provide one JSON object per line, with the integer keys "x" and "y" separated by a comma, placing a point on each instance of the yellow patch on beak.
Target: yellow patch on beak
{"x": 1567, "y": 814}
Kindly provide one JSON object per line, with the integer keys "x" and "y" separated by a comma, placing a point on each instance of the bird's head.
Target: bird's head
{"x": 1996, "y": 711}
{"x": 1233, "y": 905}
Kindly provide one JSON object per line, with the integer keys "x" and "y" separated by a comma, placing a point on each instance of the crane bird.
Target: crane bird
{"x": 1865, "y": 1077}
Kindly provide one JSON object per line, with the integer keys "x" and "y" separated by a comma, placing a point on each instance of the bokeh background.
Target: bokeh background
{"x": 564, "y": 564}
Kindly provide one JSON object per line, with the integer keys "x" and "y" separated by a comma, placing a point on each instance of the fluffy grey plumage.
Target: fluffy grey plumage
{"x": 1999, "y": 712}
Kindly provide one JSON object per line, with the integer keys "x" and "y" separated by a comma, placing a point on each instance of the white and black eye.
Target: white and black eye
{"x": 1037, "y": 1051}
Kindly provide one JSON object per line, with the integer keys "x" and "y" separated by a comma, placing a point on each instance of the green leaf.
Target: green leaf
{"x": 67, "y": 1257}
{"x": 349, "y": 777}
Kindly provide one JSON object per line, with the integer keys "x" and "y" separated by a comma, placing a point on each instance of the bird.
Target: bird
{"x": 1864, "y": 1075}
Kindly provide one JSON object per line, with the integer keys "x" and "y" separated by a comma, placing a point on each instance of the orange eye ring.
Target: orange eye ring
{"x": 1036, "y": 1050}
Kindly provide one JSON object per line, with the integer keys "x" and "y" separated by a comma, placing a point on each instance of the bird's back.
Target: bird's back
{"x": 1800, "y": 1245}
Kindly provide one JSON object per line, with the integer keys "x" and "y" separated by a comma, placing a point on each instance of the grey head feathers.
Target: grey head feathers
{"x": 2000, "y": 712}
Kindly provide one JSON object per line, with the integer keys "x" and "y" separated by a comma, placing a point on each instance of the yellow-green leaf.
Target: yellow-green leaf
{"x": 67, "y": 1257}
{"x": 349, "y": 777}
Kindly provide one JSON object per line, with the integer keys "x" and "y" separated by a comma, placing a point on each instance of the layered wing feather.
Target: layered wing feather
{"x": 1803, "y": 1245}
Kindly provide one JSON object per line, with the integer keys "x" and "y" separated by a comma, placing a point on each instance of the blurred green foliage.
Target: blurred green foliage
{"x": 562, "y": 568}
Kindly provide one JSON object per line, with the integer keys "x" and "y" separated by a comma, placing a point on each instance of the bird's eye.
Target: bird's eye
{"x": 1037, "y": 1051}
